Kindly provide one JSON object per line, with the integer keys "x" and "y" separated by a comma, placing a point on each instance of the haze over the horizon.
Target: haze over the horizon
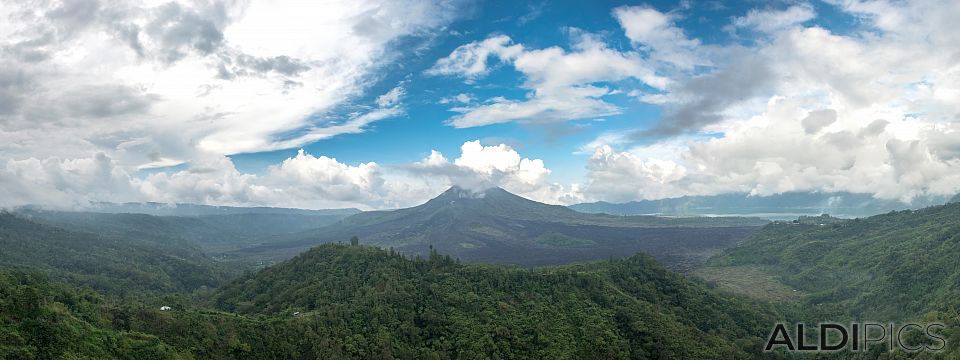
{"x": 385, "y": 104}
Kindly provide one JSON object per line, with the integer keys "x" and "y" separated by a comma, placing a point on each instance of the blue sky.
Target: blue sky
{"x": 537, "y": 24}
{"x": 379, "y": 104}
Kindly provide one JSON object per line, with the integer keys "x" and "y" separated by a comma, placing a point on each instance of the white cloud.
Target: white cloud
{"x": 773, "y": 20}
{"x": 63, "y": 182}
{"x": 656, "y": 33}
{"x": 470, "y": 60}
{"x": 462, "y": 98}
{"x": 391, "y": 98}
{"x": 817, "y": 120}
{"x": 622, "y": 175}
{"x": 559, "y": 81}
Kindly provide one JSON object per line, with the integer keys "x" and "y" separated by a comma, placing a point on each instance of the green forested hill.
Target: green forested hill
{"x": 117, "y": 265}
{"x": 364, "y": 300}
{"x": 900, "y": 265}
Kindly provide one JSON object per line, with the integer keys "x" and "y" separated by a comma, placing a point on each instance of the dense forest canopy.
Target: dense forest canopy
{"x": 361, "y": 302}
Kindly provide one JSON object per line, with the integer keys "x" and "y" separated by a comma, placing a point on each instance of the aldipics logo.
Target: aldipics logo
{"x": 857, "y": 337}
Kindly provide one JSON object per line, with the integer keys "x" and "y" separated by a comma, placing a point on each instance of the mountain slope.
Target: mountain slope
{"x": 891, "y": 266}
{"x": 613, "y": 309}
{"x": 106, "y": 262}
{"x": 779, "y": 206}
{"x": 497, "y": 226}
{"x": 213, "y": 233}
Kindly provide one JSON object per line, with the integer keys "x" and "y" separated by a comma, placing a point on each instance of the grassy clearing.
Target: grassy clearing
{"x": 751, "y": 281}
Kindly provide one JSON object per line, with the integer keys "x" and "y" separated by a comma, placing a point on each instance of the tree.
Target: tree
{"x": 354, "y": 241}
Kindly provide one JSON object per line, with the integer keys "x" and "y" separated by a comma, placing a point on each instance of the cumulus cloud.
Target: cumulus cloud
{"x": 64, "y": 182}
{"x": 783, "y": 150}
{"x": 480, "y": 167}
{"x": 303, "y": 181}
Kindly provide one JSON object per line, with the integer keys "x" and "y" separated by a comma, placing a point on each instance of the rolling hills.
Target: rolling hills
{"x": 497, "y": 226}
{"x": 109, "y": 263}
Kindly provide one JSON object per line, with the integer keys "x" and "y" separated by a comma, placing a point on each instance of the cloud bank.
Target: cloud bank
{"x": 182, "y": 80}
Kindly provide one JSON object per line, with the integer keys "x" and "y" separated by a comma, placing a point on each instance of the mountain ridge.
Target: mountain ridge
{"x": 776, "y": 207}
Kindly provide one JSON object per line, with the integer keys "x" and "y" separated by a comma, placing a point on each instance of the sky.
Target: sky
{"x": 377, "y": 105}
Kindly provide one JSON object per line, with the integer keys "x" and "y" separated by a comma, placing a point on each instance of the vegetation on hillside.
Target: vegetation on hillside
{"x": 893, "y": 266}
{"x": 370, "y": 302}
{"x": 43, "y": 320}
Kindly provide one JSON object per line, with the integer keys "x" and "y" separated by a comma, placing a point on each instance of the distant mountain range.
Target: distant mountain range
{"x": 161, "y": 209}
{"x": 215, "y": 229}
{"x": 774, "y": 207}
{"x": 497, "y": 226}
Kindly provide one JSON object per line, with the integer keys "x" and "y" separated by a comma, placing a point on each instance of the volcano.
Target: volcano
{"x": 494, "y": 225}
